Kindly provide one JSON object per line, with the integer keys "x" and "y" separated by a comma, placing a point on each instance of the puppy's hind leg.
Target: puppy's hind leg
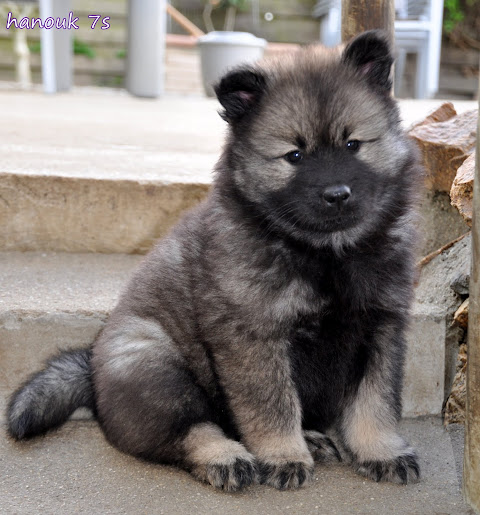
{"x": 150, "y": 404}
{"x": 322, "y": 447}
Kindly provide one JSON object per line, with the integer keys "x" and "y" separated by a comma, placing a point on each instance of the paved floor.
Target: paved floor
{"x": 110, "y": 135}
{"x": 75, "y": 471}
{"x": 94, "y": 133}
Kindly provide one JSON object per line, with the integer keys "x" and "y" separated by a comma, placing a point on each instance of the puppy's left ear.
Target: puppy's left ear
{"x": 371, "y": 55}
{"x": 239, "y": 92}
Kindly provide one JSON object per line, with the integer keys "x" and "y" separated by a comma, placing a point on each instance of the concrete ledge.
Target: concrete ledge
{"x": 89, "y": 215}
{"x": 53, "y": 301}
{"x": 100, "y": 171}
{"x": 28, "y": 341}
{"x": 50, "y": 301}
{"x": 433, "y": 339}
{"x": 440, "y": 222}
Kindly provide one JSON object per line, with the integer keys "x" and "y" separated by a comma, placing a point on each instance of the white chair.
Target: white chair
{"x": 330, "y": 14}
{"x": 418, "y": 29}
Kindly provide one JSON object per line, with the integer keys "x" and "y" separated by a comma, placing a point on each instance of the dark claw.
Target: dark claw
{"x": 285, "y": 475}
{"x": 322, "y": 447}
{"x": 232, "y": 477}
{"x": 403, "y": 469}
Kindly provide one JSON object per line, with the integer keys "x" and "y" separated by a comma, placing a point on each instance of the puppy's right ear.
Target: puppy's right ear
{"x": 239, "y": 92}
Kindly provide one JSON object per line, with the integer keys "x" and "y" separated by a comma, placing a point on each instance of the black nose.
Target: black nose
{"x": 337, "y": 194}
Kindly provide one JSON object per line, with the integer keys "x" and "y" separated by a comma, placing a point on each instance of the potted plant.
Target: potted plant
{"x": 221, "y": 50}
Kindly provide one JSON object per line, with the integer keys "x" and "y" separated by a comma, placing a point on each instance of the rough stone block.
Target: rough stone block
{"x": 461, "y": 315}
{"x": 439, "y": 222}
{"x": 444, "y": 146}
{"x": 443, "y": 113}
{"x": 455, "y": 405}
{"x": 462, "y": 189}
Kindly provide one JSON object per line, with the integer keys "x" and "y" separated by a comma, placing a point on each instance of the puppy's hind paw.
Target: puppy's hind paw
{"x": 403, "y": 469}
{"x": 321, "y": 447}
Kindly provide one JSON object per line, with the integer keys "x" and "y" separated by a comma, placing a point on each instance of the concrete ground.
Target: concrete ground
{"x": 108, "y": 134}
{"x": 111, "y": 138}
{"x": 75, "y": 471}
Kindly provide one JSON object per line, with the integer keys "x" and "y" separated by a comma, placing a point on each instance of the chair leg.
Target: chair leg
{"x": 421, "y": 88}
{"x": 399, "y": 71}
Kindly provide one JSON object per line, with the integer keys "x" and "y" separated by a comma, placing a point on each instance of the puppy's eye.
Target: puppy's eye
{"x": 353, "y": 145}
{"x": 294, "y": 157}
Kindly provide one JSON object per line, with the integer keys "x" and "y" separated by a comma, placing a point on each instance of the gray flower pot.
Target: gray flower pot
{"x": 223, "y": 50}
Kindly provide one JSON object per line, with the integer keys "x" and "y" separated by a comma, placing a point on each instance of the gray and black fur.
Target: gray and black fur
{"x": 274, "y": 313}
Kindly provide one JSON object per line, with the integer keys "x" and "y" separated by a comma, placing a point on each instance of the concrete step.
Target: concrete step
{"x": 101, "y": 172}
{"x": 51, "y": 301}
{"x": 97, "y": 171}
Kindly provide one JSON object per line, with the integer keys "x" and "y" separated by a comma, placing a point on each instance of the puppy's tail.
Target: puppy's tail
{"x": 50, "y": 396}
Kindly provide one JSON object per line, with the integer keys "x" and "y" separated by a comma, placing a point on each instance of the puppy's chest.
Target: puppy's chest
{"x": 329, "y": 354}
{"x": 314, "y": 287}
{"x": 344, "y": 287}
{"x": 331, "y": 347}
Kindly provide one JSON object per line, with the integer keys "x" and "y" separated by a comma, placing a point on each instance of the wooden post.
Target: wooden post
{"x": 184, "y": 22}
{"x": 471, "y": 462}
{"x": 361, "y": 15}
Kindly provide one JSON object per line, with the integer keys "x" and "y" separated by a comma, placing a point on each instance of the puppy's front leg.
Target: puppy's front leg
{"x": 266, "y": 408}
{"x": 369, "y": 421}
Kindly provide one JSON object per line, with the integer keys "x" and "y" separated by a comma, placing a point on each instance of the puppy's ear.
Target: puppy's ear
{"x": 370, "y": 54}
{"x": 239, "y": 92}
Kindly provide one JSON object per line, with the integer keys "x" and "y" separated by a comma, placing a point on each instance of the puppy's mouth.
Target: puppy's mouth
{"x": 319, "y": 222}
{"x": 333, "y": 217}
{"x": 336, "y": 223}
{"x": 316, "y": 216}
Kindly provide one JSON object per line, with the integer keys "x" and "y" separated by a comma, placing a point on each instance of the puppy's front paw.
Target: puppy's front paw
{"x": 228, "y": 476}
{"x": 321, "y": 447}
{"x": 403, "y": 469}
{"x": 285, "y": 474}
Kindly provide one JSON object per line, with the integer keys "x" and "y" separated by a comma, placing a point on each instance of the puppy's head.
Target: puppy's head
{"x": 315, "y": 143}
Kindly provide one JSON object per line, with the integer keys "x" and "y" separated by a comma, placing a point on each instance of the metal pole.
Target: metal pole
{"x": 471, "y": 462}
{"x": 147, "y": 21}
{"x": 361, "y": 15}
{"x": 56, "y": 48}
